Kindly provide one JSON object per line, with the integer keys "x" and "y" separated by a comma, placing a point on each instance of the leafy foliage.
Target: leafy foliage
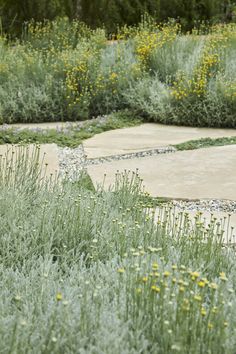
{"x": 86, "y": 270}
{"x": 64, "y": 70}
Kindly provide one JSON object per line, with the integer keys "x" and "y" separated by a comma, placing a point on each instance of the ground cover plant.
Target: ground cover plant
{"x": 63, "y": 70}
{"x": 89, "y": 271}
{"x": 72, "y": 135}
{"x": 205, "y": 142}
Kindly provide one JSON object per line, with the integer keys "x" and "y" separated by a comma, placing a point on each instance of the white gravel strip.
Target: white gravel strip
{"x": 132, "y": 155}
{"x": 211, "y": 205}
{"x": 71, "y": 161}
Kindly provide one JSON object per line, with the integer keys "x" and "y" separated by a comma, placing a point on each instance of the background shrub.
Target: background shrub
{"x": 63, "y": 70}
{"x": 110, "y": 13}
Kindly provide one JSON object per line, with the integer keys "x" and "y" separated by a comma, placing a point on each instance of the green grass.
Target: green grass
{"x": 205, "y": 142}
{"x": 89, "y": 271}
{"x": 71, "y": 137}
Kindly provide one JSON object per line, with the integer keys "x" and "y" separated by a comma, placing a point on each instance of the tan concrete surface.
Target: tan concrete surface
{"x": 145, "y": 137}
{"x": 48, "y": 156}
{"x": 197, "y": 174}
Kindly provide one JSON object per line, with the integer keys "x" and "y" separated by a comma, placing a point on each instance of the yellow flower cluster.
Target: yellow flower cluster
{"x": 148, "y": 41}
{"x": 77, "y": 82}
{"x": 48, "y": 34}
{"x": 190, "y": 293}
{"x": 181, "y": 86}
{"x": 208, "y": 64}
{"x": 209, "y": 61}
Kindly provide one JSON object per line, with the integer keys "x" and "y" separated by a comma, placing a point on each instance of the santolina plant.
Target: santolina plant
{"x": 63, "y": 70}
{"x": 106, "y": 272}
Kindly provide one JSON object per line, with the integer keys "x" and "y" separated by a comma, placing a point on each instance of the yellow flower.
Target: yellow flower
{"x": 223, "y": 276}
{"x": 198, "y": 298}
{"x": 59, "y": 296}
{"x": 205, "y": 280}
{"x": 203, "y": 311}
{"x": 194, "y": 275}
{"x": 166, "y": 274}
{"x": 156, "y": 289}
{"x": 154, "y": 266}
{"x": 210, "y": 325}
{"x": 120, "y": 270}
{"x": 201, "y": 284}
{"x": 214, "y": 310}
{"x": 145, "y": 279}
{"x": 113, "y": 76}
{"x": 225, "y": 324}
{"x": 213, "y": 286}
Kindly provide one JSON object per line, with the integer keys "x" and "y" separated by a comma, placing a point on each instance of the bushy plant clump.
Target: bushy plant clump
{"x": 105, "y": 272}
{"x": 66, "y": 71}
{"x": 187, "y": 80}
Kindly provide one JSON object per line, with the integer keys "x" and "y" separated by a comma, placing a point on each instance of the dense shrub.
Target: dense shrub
{"x": 63, "y": 70}
{"x": 85, "y": 271}
{"x": 189, "y": 80}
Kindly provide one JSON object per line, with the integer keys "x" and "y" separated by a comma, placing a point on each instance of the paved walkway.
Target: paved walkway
{"x": 146, "y": 137}
{"x": 196, "y": 174}
{"x": 208, "y": 173}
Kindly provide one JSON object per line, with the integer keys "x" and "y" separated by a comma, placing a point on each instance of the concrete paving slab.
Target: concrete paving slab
{"x": 146, "y": 136}
{"x": 197, "y": 174}
{"x": 48, "y": 156}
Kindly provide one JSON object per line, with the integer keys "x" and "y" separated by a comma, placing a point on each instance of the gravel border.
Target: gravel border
{"x": 210, "y": 205}
{"x": 72, "y": 161}
{"x": 132, "y": 155}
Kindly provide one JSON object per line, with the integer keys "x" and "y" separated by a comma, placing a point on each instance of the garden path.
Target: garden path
{"x": 207, "y": 174}
{"x": 145, "y": 137}
{"x": 195, "y": 174}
